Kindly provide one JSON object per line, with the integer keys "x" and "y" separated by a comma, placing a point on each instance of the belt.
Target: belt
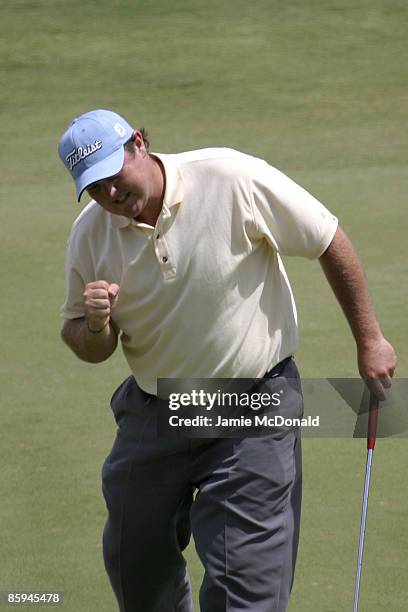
{"x": 278, "y": 368}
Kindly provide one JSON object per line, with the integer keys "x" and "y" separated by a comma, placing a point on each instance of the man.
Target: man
{"x": 180, "y": 254}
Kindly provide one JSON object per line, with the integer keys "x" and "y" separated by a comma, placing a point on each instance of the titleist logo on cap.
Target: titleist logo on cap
{"x": 80, "y": 153}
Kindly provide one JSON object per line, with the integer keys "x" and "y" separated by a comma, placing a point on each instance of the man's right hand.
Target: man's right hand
{"x": 99, "y": 299}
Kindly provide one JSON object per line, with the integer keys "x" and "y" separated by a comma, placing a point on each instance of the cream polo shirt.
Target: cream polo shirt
{"x": 204, "y": 294}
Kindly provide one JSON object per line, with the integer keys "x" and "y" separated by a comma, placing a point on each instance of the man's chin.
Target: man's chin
{"x": 133, "y": 211}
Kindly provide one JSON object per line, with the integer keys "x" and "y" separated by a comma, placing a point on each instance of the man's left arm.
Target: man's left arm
{"x": 376, "y": 356}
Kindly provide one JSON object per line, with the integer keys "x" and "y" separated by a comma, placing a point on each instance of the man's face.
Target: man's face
{"x": 130, "y": 191}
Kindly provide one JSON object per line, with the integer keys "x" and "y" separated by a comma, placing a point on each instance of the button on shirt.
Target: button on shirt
{"x": 204, "y": 293}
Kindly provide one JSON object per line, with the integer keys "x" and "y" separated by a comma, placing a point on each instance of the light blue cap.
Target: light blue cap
{"x": 92, "y": 147}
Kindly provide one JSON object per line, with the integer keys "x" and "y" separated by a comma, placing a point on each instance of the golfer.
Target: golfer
{"x": 179, "y": 256}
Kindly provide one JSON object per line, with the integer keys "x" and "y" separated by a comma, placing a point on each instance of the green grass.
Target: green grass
{"x": 317, "y": 88}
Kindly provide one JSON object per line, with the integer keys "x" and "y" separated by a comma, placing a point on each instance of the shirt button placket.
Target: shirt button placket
{"x": 160, "y": 246}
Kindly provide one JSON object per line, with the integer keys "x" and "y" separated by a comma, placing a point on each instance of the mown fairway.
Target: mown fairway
{"x": 317, "y": 88}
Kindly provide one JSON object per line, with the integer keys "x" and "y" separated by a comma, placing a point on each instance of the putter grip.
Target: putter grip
{"x": 372, "y": 422}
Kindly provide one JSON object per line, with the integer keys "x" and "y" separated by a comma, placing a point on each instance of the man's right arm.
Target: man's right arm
{"x": 93, "y": 338}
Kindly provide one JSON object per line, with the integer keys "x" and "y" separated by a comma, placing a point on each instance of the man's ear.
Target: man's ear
{"x": 139, "y": 142}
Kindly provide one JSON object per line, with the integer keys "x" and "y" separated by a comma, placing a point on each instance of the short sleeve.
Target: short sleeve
{"x": 73, "y": 306}
{"x": 292, "y": 220}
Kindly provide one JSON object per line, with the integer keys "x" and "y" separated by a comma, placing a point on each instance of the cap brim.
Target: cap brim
{"x": 104, "y": 169}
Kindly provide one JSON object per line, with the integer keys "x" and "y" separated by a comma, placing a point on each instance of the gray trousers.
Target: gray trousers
{"x": 239, "y": 497}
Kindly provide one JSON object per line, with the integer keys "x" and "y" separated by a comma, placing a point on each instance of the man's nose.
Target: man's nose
{"x": 111, "y": 189}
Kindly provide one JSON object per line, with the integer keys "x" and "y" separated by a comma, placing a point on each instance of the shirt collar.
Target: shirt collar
{"x": 173, "y": 194}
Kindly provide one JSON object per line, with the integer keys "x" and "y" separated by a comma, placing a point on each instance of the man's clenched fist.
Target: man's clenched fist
{"x": 99, "y": 297}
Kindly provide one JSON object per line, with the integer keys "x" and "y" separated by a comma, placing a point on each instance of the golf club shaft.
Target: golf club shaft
{"x": 371, "y": 437}
{"x": 362, "y": 527}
